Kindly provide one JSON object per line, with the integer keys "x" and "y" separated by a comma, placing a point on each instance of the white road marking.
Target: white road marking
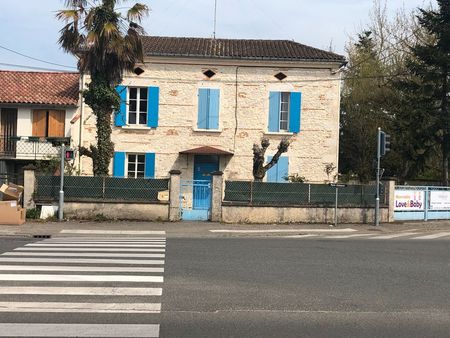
{"x": 89, "y": 249}
{"x": 112, "y": 232}
{"x": 77, "y": 268}
{"x": 82, "y": 254}
{"x": 283, "y": 230}
{"x": 83, "y": 260}
{"x": 347, "y": 236}
{"x": 80, "y": 307}
{"x": 97, "y": 291}
{"x": 403, "y": 234}
{"x": 79, "y": 330}
{"x": 300, "y": 236}
{"x": 102, "y": 242}
{"x": 433, "y": 236}
{"x": 101, "y": 245}
{"x": 82, "y": 278}
{"x": 104, "y": 238}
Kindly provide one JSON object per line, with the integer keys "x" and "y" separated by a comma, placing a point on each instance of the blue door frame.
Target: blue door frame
{"x": 204, "y": 165}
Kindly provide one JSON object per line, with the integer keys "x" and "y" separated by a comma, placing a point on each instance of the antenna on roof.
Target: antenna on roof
{"x": 215, "y": 18}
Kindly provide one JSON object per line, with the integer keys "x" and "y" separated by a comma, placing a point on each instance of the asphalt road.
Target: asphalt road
{"x": 306, "y": 288}
{"x": 274, "y": 287}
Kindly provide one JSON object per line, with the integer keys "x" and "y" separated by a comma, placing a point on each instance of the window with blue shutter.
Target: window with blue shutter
{"x": 280, "y": 171}
{"x": 208, "y": 108}
{"x": 120, "y": 117}
{"x": 119, "y": 164}
{"x": 138, "y": 106}
{"x": 284, "y": 112}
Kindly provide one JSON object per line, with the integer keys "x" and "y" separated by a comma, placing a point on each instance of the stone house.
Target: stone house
{"x": 34, "y": 106}
{"x": 198, "y": 100}
{"x": 198, "y": 105}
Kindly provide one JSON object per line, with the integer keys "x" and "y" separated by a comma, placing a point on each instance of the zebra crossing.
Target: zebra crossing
{"x": 366, "y": 236}
{"x": 98, "y": 284}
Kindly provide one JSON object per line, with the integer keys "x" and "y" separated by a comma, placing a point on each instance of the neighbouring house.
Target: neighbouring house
{"x": 34, "y": 108}
{"x": 198, "y": 105}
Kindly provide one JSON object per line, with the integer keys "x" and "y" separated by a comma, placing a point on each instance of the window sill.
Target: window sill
{"x": 131, "y": 127}
{"x": 279, "y": 133}
{"x": 207, "y": 130}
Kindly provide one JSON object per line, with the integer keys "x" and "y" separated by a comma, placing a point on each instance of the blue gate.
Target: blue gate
{"x": 195, "y": 200}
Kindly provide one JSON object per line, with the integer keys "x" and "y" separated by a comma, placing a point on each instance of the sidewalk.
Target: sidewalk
{"x": 202, "y": 229}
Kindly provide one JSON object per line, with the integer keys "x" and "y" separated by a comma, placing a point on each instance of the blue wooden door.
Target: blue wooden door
{"x": 204, "y": 165}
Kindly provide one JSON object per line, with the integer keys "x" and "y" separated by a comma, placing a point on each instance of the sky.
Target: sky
{"x": 30, "y": 27}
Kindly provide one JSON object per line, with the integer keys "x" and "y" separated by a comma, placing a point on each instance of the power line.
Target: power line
{"x": 35, "y": 68}
{"x": 36, "y": 59}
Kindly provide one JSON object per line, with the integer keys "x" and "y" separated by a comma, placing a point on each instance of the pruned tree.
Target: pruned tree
{"x": 107, "y": 43}
{"x": 259, "y": 151}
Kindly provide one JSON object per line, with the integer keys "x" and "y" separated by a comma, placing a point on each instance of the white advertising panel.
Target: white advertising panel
{"x": 409, "y": 200}
{"x": 439, "y": 200}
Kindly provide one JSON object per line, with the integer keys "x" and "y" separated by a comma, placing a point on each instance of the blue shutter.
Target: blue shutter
{"x": 153, "y": 107}
{"x": 149, "y": 165}
{"x": 272, "y": 172}
{"x": 295, "y": 112}
{"x": 282, "y": 169}
{"x": 274, "y": 111}
{"x": 119, "y": 164}
{"x": 203, "y": 105}
{"x": 214, "y": 104}
{"x": 279, "y": 171}
{"x": 120, "y": 118}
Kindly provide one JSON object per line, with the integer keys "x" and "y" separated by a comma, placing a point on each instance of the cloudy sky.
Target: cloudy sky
{"x": 29, "y": 26}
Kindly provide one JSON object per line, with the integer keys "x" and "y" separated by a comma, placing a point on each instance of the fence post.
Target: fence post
{"x": 216, "y": 198}
{"x": 425, "y": 213}
{"x": 174, "y": 195}
{"x": 391, "y": 199}
{"x": 29, "y": 185}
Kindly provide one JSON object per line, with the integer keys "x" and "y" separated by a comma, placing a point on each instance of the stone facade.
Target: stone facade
{"x": 243, "y": 118}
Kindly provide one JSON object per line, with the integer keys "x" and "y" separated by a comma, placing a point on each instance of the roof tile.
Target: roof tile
{"x": 39, "y": 88}
{"x": 270, "y": 50}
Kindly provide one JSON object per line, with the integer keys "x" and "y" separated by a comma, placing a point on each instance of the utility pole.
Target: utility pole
{"x": 61, "y": 185}
{"x": 215, "y": 19}
{"x": 377, "y": 198}
{"x": 383, "y": 146}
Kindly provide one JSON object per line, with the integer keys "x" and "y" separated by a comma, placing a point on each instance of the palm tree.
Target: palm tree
{"x": 107, "y": 43}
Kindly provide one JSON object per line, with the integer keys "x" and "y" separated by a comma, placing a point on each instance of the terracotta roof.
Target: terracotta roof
{"x": 206, "y": 150}
{"x": 276, "y": 50}
{"x": 39, "y": 88}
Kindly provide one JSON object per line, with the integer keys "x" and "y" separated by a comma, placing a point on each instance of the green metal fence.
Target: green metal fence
{"x": 264, "y": 193}
{"x": 79, "y": 188}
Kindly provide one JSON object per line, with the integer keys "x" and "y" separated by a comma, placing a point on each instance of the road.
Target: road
{"x": 278, "y": 287}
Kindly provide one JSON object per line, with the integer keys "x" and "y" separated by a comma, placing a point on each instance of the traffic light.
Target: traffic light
{"x": 385, "y": 143}
{"x": 69, "y": 154}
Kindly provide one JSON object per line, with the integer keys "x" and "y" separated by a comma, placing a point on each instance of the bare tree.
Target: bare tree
{"x": 259, "y": 169}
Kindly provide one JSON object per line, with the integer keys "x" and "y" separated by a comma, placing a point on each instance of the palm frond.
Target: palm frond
{"x": 67, "y": 14}
{"x": 137, "y": 12}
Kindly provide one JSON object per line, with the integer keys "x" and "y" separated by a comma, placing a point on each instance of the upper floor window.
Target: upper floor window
{"x": 48, "y": 123}
{"x": 137, "y": 106}
{"x": 208, "y": 108}
{"x": 284, "y": 112}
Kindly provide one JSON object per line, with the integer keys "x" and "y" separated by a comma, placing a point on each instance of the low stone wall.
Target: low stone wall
{"x": 272, "y": 214}
{"x": 115, "y": 210}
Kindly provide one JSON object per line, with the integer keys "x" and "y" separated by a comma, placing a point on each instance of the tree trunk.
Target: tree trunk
{"x": 104, "y": 145}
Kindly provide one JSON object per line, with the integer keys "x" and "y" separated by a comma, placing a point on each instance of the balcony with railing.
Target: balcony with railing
{"x": 29, "y": 147}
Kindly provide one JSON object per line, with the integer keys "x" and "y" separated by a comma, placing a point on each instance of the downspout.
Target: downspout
{"x": 235, "y": 110}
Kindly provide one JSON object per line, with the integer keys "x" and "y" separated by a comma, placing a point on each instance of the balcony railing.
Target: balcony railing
{"x": 27, "y": 148}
